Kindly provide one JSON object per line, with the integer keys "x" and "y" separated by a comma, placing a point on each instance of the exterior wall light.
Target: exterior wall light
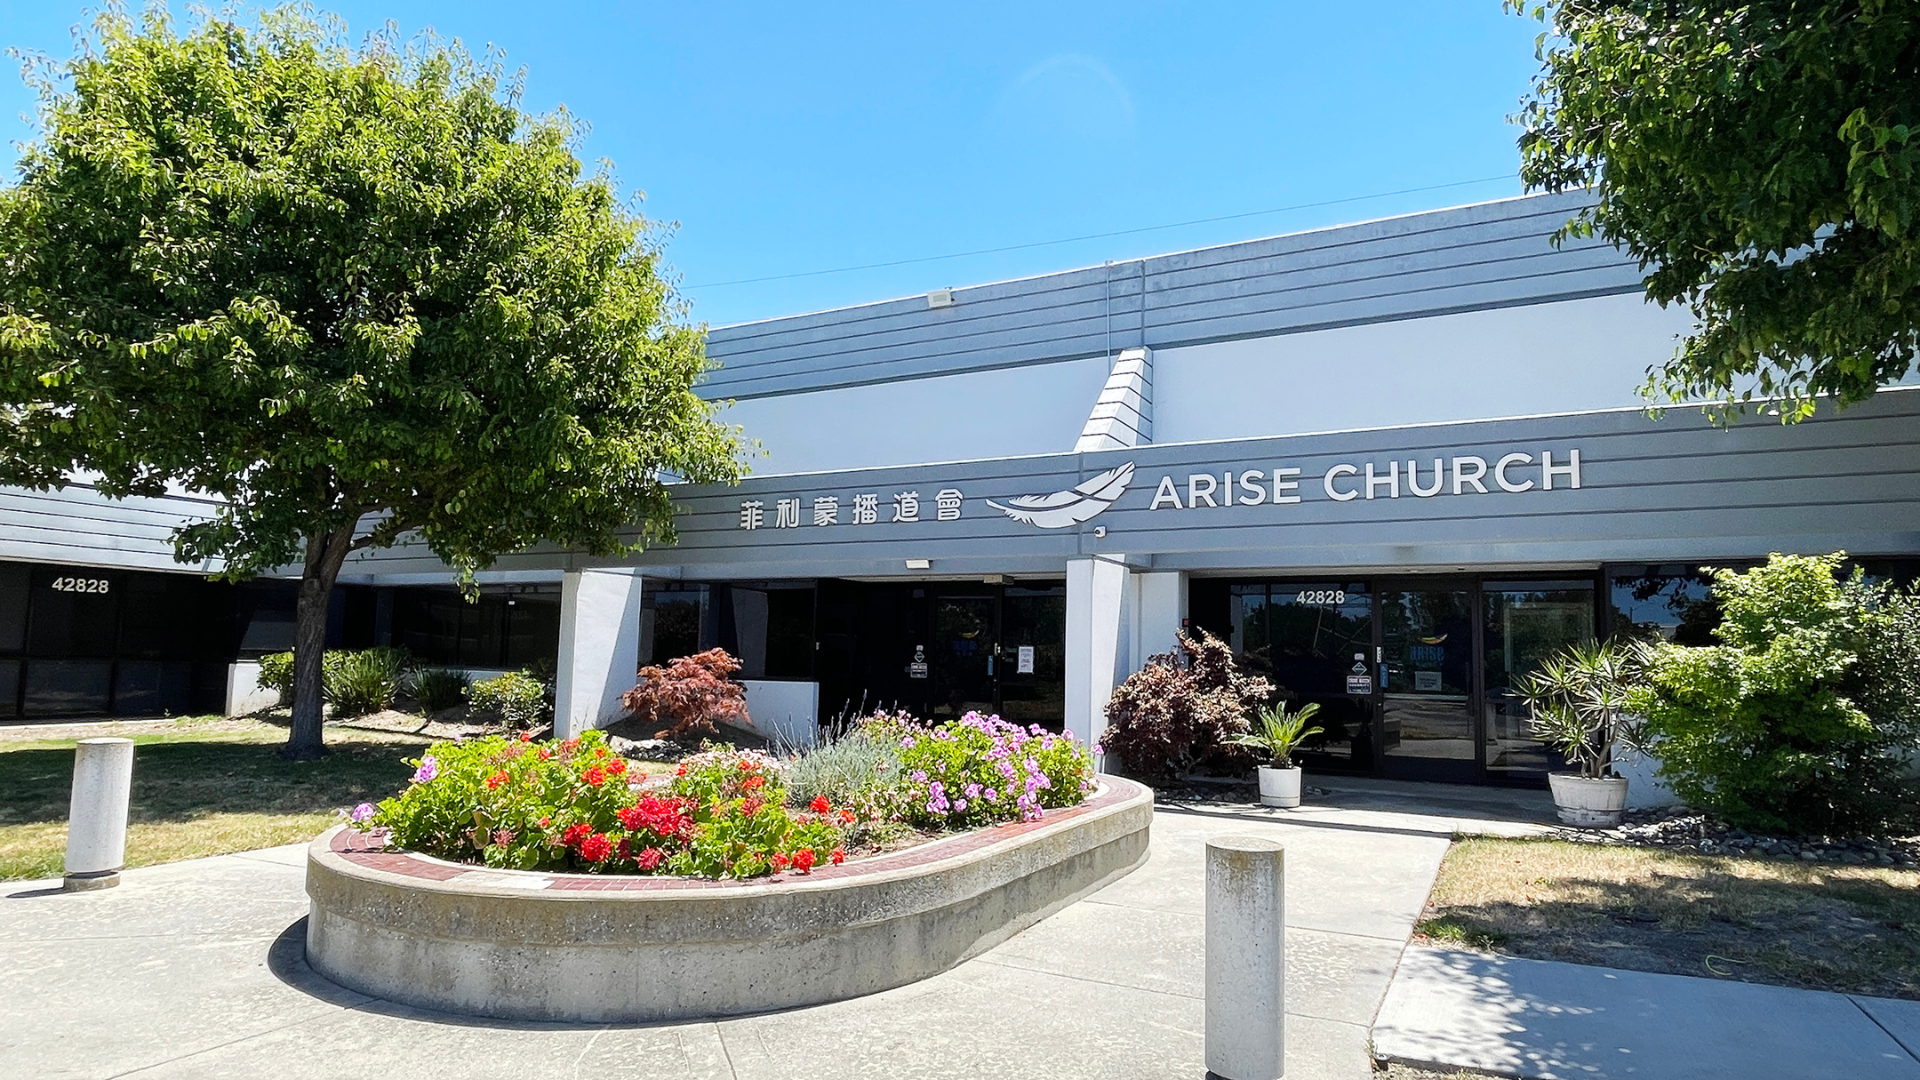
{"x": 940, "y": 298}
{"x": 919, "y": 564}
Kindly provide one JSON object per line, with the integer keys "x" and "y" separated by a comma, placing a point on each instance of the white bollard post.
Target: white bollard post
{"x": 97, "y": 816}
{"x": 1246, "y": 958}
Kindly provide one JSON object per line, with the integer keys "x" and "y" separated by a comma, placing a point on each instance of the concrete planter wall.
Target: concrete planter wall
{"x": 596, "y": 949}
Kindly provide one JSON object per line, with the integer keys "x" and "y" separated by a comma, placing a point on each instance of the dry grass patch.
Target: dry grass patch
{"x": 199, "y": 788}
{"x": 1822, "y": 927}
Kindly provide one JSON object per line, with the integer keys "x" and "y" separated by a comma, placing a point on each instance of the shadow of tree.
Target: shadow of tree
{"x": 185, "y": 780}
{"x": 1842, "y": 928}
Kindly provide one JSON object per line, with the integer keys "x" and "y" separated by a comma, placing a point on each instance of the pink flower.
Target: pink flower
{"x": 362, "y": 813}
{"x": 429, "y": 768}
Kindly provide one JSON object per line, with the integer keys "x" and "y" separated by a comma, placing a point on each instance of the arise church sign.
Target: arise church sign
{"x": 1512, "y": 473}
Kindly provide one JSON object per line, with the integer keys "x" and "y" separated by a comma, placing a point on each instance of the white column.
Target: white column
{"x": 97, "y": 813}
{"x": 599, "y": 647}
{"x": 1159, "y": 611}
{"x": 1246, "y": 959}
{"x": 1097, "y": 642}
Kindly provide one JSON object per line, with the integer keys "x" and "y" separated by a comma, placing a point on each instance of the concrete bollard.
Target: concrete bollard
{"x": 97, "y": 816}
{"x": 1246, "y": 959}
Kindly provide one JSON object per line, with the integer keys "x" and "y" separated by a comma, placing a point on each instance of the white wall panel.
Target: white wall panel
{"x": 1008, "y": 412}
{"x": 1570, "y": 356}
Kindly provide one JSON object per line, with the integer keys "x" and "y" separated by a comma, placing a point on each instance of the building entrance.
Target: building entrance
{"x": 943, "y": 649}
{"x": 1415, "y": 677}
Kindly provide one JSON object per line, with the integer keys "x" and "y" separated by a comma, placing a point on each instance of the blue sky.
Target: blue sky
{"x": 786, "y": 139}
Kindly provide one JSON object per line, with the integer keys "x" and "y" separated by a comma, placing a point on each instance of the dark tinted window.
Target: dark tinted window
{"x": 670, "y": 624}
{"x": 75, "y": 612}
{"x": 13, "y": 611}
{"x": 1671, "y": 603}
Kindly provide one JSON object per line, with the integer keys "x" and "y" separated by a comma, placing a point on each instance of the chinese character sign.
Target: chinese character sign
{"x": 947, "y": 504}
{"x": 826, "y": 510}
{"x": 866, "y": 509}
{"x": 751, "y": 514}
{"x": 786, "y": 514}
{"x": 906, "y": 506}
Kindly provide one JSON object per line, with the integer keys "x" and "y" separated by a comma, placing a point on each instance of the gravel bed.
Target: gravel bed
{"x": 1682, "y": 829}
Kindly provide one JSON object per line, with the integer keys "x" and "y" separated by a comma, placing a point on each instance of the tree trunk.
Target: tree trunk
{"x": 325, "y": 554}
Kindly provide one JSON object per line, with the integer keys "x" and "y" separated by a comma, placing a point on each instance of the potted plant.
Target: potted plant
{"x": 1278, "y": 734}
{"x": 1577, "y": 703}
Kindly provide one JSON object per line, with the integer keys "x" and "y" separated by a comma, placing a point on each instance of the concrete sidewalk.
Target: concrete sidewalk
{"x": 1554, "y": 1021}
{"x": 197, "y": 970}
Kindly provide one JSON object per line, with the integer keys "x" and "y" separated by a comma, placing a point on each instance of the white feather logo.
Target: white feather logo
{"x": 1064, "y": 508}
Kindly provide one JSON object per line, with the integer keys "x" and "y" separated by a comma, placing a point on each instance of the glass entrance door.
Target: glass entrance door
{"x": 1526, "y": 621}
{"x": 1428, "y": 729}
{"x": 963, "y": 655}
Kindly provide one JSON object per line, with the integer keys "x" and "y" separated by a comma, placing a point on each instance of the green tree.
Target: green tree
{"x": 354, "y": 292}
{"x": 1796, "y": 720}
{"x": 1759, "y": 158}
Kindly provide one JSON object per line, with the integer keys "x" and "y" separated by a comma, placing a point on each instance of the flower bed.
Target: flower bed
{"x": 598, "y": 947}
{"x": 724, "y": 813}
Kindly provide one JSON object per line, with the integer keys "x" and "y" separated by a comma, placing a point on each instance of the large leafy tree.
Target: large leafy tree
{"x": 1760, "y": 158}
{"x": 354, "y": 291}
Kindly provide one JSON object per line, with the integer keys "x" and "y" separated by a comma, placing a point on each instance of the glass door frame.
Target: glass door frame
{"x": 1439, "y": 770}
{"x": 1475, "y": 772}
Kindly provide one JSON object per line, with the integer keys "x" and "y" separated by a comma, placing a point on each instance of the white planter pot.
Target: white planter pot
{"x": 1591, "y": 803}
{"x": 1279, "y": 787}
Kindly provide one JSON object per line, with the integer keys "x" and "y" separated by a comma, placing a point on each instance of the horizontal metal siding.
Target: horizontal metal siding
{"x": 1471, "y": 258}
{"x": 1676, "y": 488}
{"x": 79, "y": 526}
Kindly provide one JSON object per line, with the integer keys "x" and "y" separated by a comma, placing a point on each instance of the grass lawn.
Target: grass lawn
{"x": 200, "y": 787}
{"x": 1848, "y": 928}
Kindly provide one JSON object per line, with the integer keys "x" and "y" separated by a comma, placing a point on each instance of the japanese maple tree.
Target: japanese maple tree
{"x": 352, "y": 291}
{"x": 688, "y": 695}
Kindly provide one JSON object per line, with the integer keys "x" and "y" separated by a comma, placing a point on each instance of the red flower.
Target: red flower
{"x": 750, "y": 807}
{"x": 838, "y": 856}
{"x": 596, "y": 847}
{"x": 599, "y": 751}
{"x": 649, "y": 857}
{"x": 545, "y": 753}
{"x": 803, "y": 860}
{"x": 594, "y": 776}
{"x": 526, "y": 736}
{"x": 624, "y": 848}
{"x": 570, "y": 745}
{"x": 779, "y": 862}
{"x": 576, "y": 833}
{"x": 846, "y": 817}
{"x": 681, "y": 771}
{"x": 819, "y": 805}
{"x": 496, "y": 780}
{"x": 544, "y": 821}
{"x": 631, "y": 818}
{"x": 618, "y": 767}
{"x": 747, "y": 765}
{"x": 752, "y": 782}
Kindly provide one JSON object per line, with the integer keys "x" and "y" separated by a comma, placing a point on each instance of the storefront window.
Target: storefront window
{"x": 1667, "y": 603}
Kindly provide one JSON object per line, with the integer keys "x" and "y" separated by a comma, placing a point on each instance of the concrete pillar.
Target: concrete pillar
{"x": 1097, "y": 642}
{"x": 1246, "y": 958}
{"x": 1159, "y": 611}
{"x": 97, "y": 814}
{"x": 599, "y": 647}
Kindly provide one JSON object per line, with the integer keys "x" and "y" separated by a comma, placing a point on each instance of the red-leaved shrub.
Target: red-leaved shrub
{"x": 1179, "y": 710}
{"x": 688, "y": 695}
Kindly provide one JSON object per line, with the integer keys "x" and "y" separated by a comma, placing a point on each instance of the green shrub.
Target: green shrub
{"x": 1771, "y": 729}
{"x": 859, "y": 770}
{"x": 567, "y": 805}
{"x": 520, "y": 700}
{"x": 276, "y": 674}
{"x": 354, "y": 683}
{"x": 358, "y": 683}
{"x": 439, "y": 688}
